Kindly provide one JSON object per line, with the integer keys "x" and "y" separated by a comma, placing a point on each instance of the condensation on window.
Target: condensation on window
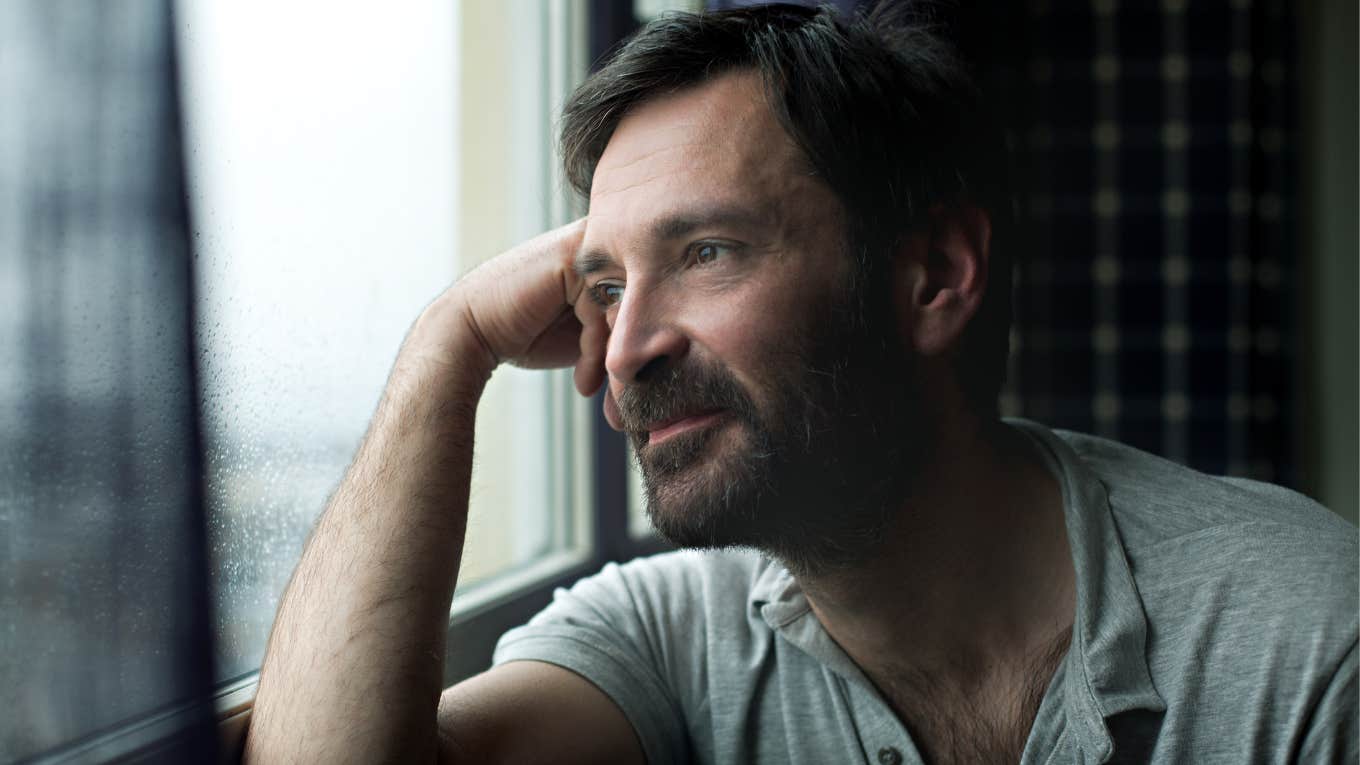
{"x": 331, "y": 190}
{"x": 101, "y": 612}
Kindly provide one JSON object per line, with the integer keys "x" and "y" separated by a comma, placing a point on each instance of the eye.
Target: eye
{"x": 606, "y": 294}
{"x": 706, "y": 252}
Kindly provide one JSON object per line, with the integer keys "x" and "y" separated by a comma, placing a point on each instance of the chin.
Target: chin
{"x": 813, "y": 511}
{"x": 700, "y": 488}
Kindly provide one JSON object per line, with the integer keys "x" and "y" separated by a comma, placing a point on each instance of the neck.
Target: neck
{"x": 974, "y": 574}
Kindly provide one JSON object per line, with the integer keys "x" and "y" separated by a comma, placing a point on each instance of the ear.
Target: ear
{"x": 941, "y": 275}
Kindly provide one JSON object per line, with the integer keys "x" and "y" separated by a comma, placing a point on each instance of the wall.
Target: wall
{"x": 1327, "y": 385}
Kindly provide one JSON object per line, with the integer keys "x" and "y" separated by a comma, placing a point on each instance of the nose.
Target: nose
{"x": 643, "y": 342}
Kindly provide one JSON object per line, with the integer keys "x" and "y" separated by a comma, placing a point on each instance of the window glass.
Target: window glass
{"x": 339, "y": 182}
{"x": 102, "y": 614}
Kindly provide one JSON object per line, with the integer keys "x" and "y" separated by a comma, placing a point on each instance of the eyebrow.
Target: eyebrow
{"x": 592, "y": 262}
{"x": 670, "y": 228}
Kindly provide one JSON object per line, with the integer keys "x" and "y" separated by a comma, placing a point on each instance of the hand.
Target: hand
{"x": 525, "y": 307}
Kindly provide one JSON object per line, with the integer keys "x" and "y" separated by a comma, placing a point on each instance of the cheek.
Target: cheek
{"x": 737, "y": 320}
{"x": 760, "y": 336}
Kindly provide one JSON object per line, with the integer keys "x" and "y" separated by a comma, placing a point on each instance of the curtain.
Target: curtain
{"x": 102, "y": 579}
{"x": 1154, "y": 147}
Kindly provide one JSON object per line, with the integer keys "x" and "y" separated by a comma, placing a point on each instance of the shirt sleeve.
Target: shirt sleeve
{"x": 1333, "y": 734}
{"x": 597, "y": 630}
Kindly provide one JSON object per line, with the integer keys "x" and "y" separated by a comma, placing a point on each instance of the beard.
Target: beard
{"x": 812, "y": 472}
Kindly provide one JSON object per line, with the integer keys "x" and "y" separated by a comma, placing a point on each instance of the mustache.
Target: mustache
{"x": 680, "y": 390}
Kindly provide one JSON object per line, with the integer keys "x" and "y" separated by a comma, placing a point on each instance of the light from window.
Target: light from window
{"x": 339, "y": 182}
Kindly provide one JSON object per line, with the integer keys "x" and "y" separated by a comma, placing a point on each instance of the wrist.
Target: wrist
{"x": 446, "y": 340}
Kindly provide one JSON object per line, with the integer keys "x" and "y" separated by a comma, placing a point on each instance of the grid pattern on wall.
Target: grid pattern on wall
{"x": 1152, "y": 303}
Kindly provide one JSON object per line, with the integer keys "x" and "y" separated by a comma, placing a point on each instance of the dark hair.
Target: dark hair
{"x": 884, "y": 111}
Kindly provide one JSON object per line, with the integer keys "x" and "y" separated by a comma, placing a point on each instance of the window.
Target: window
{"x": 100, "y": 583}
{"x": 345, "y": 166}
{"x": 342, "y": 169}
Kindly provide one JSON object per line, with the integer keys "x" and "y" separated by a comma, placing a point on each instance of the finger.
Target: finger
{"x": 556, "y": 347}
{"x": 590, "y": 372}
{"x": 568, "y": 244}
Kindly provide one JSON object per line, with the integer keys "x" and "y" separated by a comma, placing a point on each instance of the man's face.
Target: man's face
{"x": 764, "y": 396}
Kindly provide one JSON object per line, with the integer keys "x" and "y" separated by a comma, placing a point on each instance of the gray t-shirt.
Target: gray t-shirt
{"x": 1216, "y": 622}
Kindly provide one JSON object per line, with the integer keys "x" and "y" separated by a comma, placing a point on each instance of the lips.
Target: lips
{"x": 663, "y": 430}
{"x": 614, "y": 416}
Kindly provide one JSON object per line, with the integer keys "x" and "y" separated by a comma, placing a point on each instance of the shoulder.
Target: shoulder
{"x": 1178, "y": 524}
{"x": 1154, "y": 500}
{"x": 1175, "y": 522}
{"x": 647, "y": 633}
{"x": 682, "y": 584}
{"x": 658, "y": 608}
{"x": 1249, "y": 582}
{"x": 1181, "y": 527}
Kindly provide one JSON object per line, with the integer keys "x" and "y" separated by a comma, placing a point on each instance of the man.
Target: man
{"x": 791, "y": 282}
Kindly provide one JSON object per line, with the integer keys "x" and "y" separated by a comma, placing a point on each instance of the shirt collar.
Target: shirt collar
{"x": 778, "y": 600}
{"x": 1109, "y": 635}
{"x": 1107, "y": 663}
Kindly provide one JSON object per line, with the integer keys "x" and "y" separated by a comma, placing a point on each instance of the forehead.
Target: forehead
{"x": 714, "y": 144}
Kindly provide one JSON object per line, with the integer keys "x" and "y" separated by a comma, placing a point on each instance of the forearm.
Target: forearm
{"x": 354, "y": 666}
